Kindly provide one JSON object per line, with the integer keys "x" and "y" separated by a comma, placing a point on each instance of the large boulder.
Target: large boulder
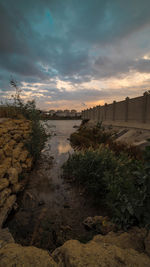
{"x": 3, "y": 183}
{"x": 15, "y": 255}
{"x": 147, "y": 243}
{"x": 134, "y": 239}
{"x": 5, "y": 210}
{"x": 4, "y": 195}
{"x": 13, "y": 175}
{"x": 93, "y": 254}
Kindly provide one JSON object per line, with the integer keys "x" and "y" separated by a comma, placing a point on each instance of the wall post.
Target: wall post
{"x": 105, "y": 111}
{"x": 114, "y": 110}
{"x": 145, "y": 103}
{"x": 126, "y": 108}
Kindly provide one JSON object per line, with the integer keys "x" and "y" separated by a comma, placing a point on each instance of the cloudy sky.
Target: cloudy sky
{"x": 75, "y": 53}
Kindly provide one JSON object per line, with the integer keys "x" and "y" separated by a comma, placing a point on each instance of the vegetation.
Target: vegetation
{"x": 87, "y": 137}
{"x": 112, "y": 173}
{"x": 122, "y": 183}
{"x": 17, "y": 108}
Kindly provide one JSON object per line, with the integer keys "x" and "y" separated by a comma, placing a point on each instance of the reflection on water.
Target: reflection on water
{"x": 63, "y": 148}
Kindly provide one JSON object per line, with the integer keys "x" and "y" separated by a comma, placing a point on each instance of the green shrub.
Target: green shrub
{"x": 123, "y": 183}
{"x": 87, "y": 137}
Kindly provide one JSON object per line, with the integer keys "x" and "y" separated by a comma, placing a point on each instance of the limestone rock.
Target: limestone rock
{"x": 1, "y": 140}
{"x": 16, "y": 152}
{"x": 134, "y": 239}
{"x": 29, "y": 162}
{"x": 7, "y": 150}
{"x": 23, "y": 156}
{"x": 5, "y": 237}
{"x": 100, "y": 224}
{"x": 5, "y": 210}
{"x": 17, "y": 166}
{"x": 12, "y": 143}
{"x": 3, "y": 183}
{"x": 16, "y": 255}
{"x": 17, "y": 188}
{"x": 13, "y": 175}
{"x": 93, "y": 254}
{"x": 147, "y": 244}
{"x": 20, "y": 145}
{"x": 17, "y": 137}
{"x": 2, "y": 171}
{"x": 5, "y": 166}
{"x": 7, "y": 138}
{"x": 4, "y": 195}
{"x": 2, "y": 156}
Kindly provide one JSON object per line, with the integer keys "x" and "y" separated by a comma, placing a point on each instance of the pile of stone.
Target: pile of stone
{"x": 14, "y": 160}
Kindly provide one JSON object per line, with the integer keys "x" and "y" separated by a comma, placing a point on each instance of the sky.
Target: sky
{"x": 74, "y": 54}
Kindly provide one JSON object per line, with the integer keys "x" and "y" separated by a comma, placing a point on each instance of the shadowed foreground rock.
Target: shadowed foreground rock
{"x": 98, "y": 254}
{"x": 15, "y": 255}
{"x": 111, "y": 250}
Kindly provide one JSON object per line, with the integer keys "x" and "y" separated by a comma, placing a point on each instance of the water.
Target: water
{"x": 51, "y": 209}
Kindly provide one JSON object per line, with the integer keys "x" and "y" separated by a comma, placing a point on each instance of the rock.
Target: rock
{"x": 4, "y": 211}
{"x": 18, "y": 167}
{"x": 3, "y": 183}
{"x": 134, "y": 239}
{"x": 2, "y": 171}
{"x": 17, "y": 137}
{"x": 16, "y": 152}
{"x": 4, "y": 195}
{"x": 2, "y": 156}
{"x": 20, "y": 145}
{"x": 93, "y": 254}
{"x": 7, "y": 150}
{"x": 19, "y": 256}
{"x": 13, "y": 175}
{"x": 4, "y": 167}
{"x": 100, "y": 224}
{"x": 12, "y": 143}
{"x": 7, "y": 138}
{"x": 23, "y": 156}
{"x": 17, "y": 188}
{"x": 29, "y": 162}
{"x": 5, "y": 237}
{"x": 147, "y": 243}
{"x": 24, "y": 166}
{"x": 1, "y": 141}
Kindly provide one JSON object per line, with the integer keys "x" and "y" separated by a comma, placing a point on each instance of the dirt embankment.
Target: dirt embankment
{"x": 14, "y": 161}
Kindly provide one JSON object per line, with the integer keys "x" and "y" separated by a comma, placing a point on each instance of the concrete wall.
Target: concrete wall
{"x": 134, "y": 110}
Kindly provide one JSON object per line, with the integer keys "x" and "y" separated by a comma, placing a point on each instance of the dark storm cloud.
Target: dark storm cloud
{"x": 72, "y": 40}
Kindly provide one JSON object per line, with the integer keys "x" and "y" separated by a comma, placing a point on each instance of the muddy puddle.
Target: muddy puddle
{"x": 51, "y": 210}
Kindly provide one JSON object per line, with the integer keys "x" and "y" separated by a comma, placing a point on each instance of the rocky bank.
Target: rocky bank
{"x": 15, "y": 160}
{"x": 112, "y": 250}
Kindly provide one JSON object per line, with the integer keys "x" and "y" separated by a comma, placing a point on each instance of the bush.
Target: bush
{"x": 37, "y": 136}
{"x": 87, "y": 137}
{"x": 121, "y": 182}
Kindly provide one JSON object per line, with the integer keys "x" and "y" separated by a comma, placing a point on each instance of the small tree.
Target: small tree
{"x": 16, "y": 97}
